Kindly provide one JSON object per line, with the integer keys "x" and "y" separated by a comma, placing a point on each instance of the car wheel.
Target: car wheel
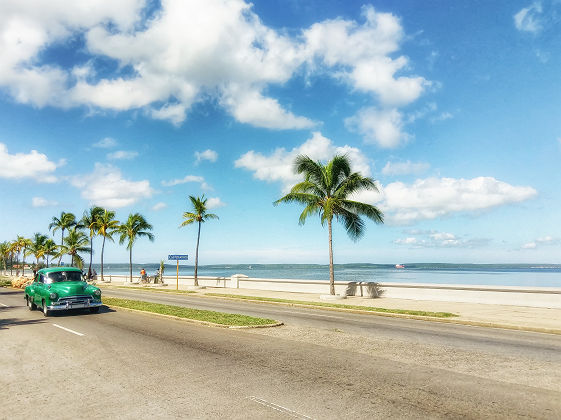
{"x": 46, "y": 312}
{"x": 94, "y": 310}
{"x": 30, "y": 304}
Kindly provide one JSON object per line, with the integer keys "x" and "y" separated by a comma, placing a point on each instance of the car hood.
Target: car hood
{"x": 69, "y": 288}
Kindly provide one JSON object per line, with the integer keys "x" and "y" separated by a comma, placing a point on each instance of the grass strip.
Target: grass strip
{"x": 189, "y": 313}
{"x": 5, "y": 282}
{"x": 338, "y": 305}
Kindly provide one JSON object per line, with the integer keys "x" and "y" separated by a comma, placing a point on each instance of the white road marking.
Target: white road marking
{"x": 5, "y": 306}
{"x": 280, "y": 408}
{"x": 68, "y": 329}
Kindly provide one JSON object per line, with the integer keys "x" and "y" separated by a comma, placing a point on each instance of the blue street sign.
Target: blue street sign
{"x": 178, "y": 257}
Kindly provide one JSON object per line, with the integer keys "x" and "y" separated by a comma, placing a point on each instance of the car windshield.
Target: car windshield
{"x": 60, "y": 276}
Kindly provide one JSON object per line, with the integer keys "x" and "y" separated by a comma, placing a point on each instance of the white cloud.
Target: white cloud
{"x": 431, "y": 198}
{"x": 383, "y": 127}
{"x": 42, "y": 202}
{"x": 190, "y": 51}
{"x": 106, "y": 143}
{"x": 405, "y": 168}
{"x": 159, "y": 206}
{"x": 32, "y": 165}
{"x": 544, "y": 240}
{"x": 440, "y": 240}
{"x": 122, "y": 155}
{"x": 214, "y": 202}
{"x": 186, "y": 179}
{"x": 106, "y": 187}
{"x": 208, "y": 154}
{"x": 362, "y": 55}
{"x": 278, "y": 166}
{"x": 528, "y": 19}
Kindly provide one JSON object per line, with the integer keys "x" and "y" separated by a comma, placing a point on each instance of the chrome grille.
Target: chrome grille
{"x": 74, "y": 300}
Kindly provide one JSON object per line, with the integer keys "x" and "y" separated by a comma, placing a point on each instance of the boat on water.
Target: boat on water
{"x": 399, "y": 266}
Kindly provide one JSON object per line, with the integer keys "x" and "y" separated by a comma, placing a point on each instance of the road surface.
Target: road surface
{"x": 129, "y": 365}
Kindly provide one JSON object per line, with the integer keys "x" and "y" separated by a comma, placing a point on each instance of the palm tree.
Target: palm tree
{"x": 66, "y": 221}
{"x": 4, "y": 253}
{"x": 326, "y": 191}
{"x": 12, "y": 249}
{"x": 37, "y": 247}
{"x": 50, "y": 248}
{"x": 135, "y": 227}
{"x": 106, "y": 225}
{"x": 76, "y": 242}
{"x": 200, "y": 216}
{"x": 89, "y": 221}
{"x": 22, "y": 244}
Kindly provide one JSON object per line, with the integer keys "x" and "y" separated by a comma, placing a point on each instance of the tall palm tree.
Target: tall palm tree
{"x": 50, "y": 248}
{"x": 135, "y": 227}
{"x": 66, "y": 221}
{"x": 12, "y": 249}
{"x": 327, "y": 191}
{"x": 106, "y": 225}
{"x": 4, "y": 253}
{"x": 89, "y": 221}
{"x": 22, "y": 244}
{"x": 199, "y": 215}
{"x": 37, "y": 248}
{"x": 75, "y": 243}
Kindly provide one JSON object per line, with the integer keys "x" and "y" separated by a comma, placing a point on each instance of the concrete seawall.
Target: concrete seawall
{"x": 539, "y": 297}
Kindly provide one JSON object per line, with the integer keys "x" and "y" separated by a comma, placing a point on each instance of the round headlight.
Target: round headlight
{"x": 97, "y": 292}
{"x": 53, "y": 296}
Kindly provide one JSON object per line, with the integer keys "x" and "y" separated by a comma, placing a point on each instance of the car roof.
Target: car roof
{"x": 58, "y": 269}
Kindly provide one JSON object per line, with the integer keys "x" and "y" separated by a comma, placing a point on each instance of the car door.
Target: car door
{"x": 39, "y": 289}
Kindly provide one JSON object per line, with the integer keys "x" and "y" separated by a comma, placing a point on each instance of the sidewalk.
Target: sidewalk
{"x": 546, "y": 320}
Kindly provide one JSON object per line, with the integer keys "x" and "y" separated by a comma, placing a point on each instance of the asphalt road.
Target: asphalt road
{"x": 129, "y": 365}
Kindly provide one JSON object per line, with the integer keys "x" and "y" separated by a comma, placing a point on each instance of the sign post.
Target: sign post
{"x": 177, "y": 257}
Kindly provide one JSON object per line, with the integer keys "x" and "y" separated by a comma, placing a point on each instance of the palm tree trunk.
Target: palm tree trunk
{"x": 47, "y": 261}
{"x": 331, "y": 272}
{"x": 61, "y": 244}
{"x": 91, "y": 255}
{"x": 197, "y": 256}
{"x": 23, "y": 273}
{"x": 11, "y": 264}
{"x": 102, "y": 248}
{"x": 130, "y": 262}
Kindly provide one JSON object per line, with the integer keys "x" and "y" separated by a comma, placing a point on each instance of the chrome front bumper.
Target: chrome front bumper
{"x": 70, "y": 305}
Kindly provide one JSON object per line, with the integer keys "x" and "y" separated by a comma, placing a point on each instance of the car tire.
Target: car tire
{"x": 94, "y": 310}
{"x": 46, "y": 312}
{"x": 30, "y": 305}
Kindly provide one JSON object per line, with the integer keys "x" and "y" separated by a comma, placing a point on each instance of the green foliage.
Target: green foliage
{"x": 76, "y": 242}
{"x": 341, "y": 306}
{"x": 135, "y": 227}
{"x": 189, "y": 313}
{"x": 327, "y": 191}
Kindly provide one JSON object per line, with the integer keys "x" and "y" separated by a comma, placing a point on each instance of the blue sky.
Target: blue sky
{"x": 453, "y": 107}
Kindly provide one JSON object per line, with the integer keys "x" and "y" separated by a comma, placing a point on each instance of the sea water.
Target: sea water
{"x": 536, "y": 275}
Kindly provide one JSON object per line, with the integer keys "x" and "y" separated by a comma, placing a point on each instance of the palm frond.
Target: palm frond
{"x": 368, "y": 210}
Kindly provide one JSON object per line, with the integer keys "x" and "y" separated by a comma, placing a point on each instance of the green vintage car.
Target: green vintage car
{"x": 60, "y": 289}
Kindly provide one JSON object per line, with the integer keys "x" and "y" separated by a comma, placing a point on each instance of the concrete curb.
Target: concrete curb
{"x": 196, "y": 321}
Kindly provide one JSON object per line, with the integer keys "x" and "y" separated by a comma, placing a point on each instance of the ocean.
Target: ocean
{"x": 538, "y": 275}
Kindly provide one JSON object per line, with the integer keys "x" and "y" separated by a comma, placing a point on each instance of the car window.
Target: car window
{"x": 61, "y": 276}
{"x": 41, "y": 278}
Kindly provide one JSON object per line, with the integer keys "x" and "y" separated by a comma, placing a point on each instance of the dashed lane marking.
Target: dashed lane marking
{"x": 279, "y": 408}
{"x": 5, "y": 306}
{"x": 68, "y": 329}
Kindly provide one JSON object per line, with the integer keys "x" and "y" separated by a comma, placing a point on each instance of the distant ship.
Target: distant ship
{"x": 399, "y": 266}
